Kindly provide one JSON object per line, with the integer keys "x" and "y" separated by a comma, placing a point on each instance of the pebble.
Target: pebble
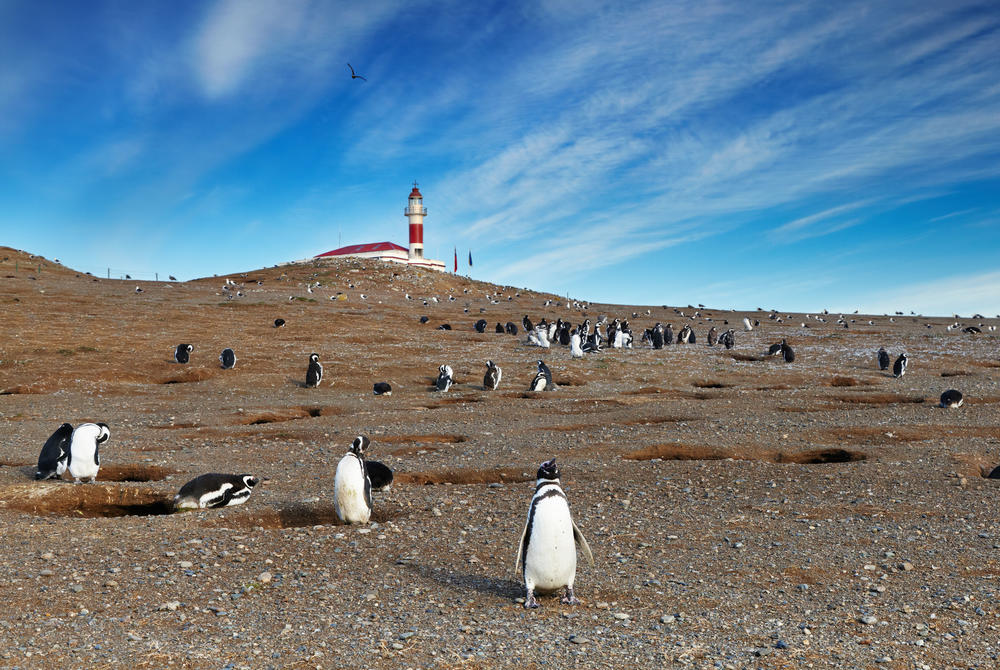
{"x": 185, "y": 564}
{"x": 75, "y": 588}
{"x": 621, "y": 616}
{"x": 578, "y": 639}
{"x": 407, "y": 635}
{"x": 46, "y": 573}
{"x": 397, "y": 646}
{"x": 264, "y": 578}
{"x": 668, "y": 618}
{"x": 170, "y": 606}
{"x": 906, "y": 566}
{"x": 868, "y": 620}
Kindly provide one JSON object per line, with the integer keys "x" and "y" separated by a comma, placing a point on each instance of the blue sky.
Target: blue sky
{"x": 739, "y": 154}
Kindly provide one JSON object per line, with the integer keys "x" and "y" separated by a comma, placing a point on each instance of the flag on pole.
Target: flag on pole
{"x": 456, "y": 259}
{"x": 470, "y": 258}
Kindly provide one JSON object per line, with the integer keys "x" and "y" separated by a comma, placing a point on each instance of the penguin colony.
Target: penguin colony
{"x": 546, "y": 557}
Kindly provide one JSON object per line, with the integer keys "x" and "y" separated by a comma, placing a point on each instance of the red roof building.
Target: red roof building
{"x": 353, "y": 249}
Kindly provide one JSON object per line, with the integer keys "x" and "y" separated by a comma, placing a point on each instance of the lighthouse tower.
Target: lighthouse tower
{"x": 415, "y": 212}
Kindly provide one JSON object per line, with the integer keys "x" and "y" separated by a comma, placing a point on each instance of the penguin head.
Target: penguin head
{"x": 250, "y": 481}
{"x": 103, "y": 433}
{"x": 490, "y": 364}
{"x": 314, "y": 358}
{"x": 360, "y": 445}
{"x": 548, "y": 470}
{"x": 189, "y": 348}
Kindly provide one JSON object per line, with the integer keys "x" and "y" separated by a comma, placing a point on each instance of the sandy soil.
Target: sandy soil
{"x": 743, "y": 512}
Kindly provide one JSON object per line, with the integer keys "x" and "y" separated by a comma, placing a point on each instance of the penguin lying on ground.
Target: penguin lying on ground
{"x": 52, "y": 460}
{"x": 546, "y": 554}
{"x": 382, "y": 388}
{"x": 215, "y": 490}
{"x": 951, "y": 398}
{"x": 182, "y": 354}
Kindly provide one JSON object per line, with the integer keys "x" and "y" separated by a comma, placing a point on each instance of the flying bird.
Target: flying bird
{"x": 355, "y": 76}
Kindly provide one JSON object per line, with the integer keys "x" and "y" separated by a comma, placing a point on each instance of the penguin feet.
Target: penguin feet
{"x": 569, "y": 598}
{"x": 530, "y": 602}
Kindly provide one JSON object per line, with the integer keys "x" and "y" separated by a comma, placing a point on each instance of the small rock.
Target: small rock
{"x": 185, "y": 564}
{"x": 46, "y": 573}
{"x": 868, "y": 620}
{"x": 169, "y": 606}
{"x": 76, "y": 588}
{"x": 264, "y": 578}
{"x": 621, "y": 616}
{"x": 906, "y": 566}
{"x": 397, "y": 646}
{"x": 668, "y": 618}
{"x": 578, "y": 639}
{"x": 407, "y": 635}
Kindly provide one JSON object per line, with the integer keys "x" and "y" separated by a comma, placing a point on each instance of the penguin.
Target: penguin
{"x": 899, "y": 367}
{"x": 278, "y": 323}
{"x": 526, "y": 322}
{"x": 480, "y": 326}
{"x": 995, "y": 474}
{"x": 786, "y": 352}
{"x": 379, "y": 474}
{"x": 215, "y": 490}
{"x": 314, "y": 374}
{"x": 352, "y": 487}
{"x": 84, "y": 457}
{"x": 883, "y": 359}
{"x": 444, "y": 380}
{"x": 424, "y": 319}
{"x": 511, "y": 328}
{"x": 493, "y": 375}
{"x": 444, "y": 326}
{"x": 951, "y": 398}
{"x": 228, "y": 359}
{"x": 53, "y": 458}
{"x": 546, "y": 554}
{"x": 544, "y": 369}
{"x": 538, "y": 383}
{"x": 774, "y": 349}
{"x": 668, "y": 335}
{"x": 499, "y": 328}
{"x": 182, "y": 354}
{"x": 574, "y": 345}
{"x": 730, "y": 340}
{"x": 382, "y": 388}
{"x": 713, "y": 336}
{"x": 747, "y": 326}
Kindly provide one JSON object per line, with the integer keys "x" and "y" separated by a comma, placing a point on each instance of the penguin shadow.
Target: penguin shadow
{"x": 298, "y": 382}
{"x": 507, "y": 589}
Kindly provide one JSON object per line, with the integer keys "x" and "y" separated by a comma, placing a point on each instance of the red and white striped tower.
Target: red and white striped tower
{"x": 415, "y": 212}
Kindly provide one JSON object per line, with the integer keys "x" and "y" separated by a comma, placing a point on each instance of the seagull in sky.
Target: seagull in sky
{"x": 355, "y": 76}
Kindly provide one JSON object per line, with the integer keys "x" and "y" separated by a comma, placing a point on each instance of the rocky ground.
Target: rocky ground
{"x": 743, "y": 512}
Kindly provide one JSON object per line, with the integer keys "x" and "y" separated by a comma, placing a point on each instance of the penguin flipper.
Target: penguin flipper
{"x": 522, "y": 549}
{"x": 581, "y": 541}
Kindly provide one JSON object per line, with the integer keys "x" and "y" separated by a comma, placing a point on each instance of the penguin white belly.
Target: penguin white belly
{"x": 349, "y": 491}
{"x": 550, "y": 562}
{"x": 83, "y": 463}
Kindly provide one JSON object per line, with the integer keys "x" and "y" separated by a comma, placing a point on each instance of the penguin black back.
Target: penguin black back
{"x": 382, "y": 388}
{"x": 54, "y": 456}
{"x": 182, "y": 354}
{"x": 883, "y": 359}
{"x": 786, "y": 352}
{"x": 480, "y": 326}
{"x": 899, "y": 367}
{"x": 511, "y": 328}
{"x": 314, "y": 373}
{"x": 228, "y": 359}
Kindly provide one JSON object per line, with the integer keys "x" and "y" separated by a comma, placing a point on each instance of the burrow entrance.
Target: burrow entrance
{"x": 686, "y": 452}
{"x": 92, "y": 501}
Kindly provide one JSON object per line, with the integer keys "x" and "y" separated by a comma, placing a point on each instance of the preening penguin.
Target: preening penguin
{"x": 182, "y": 354}
{"x": 444, "y": 380}
{"x": 228, "y": 359}
{"x": 215, "y": 490}
{"x": 546, "y": 554}
{"x": 786, "y": 352}
{"x": 52, "y": 460}
{"x": 278, "y": 323}
{"x": 352, "y": 488}
{"x": 379, "y": 474}
{"x": 951, "y": 398}
{"x": 84, "y": 457}
{"x": 480, "y": 326}
{"x": 713, "y": 336}
{"x": 899, "y": 367}
{"x": 314, "y": 373}
{"x": 883, "y": 359}
{"x": 382, "y": 388}
{"x": 493, "y": 375}
{"x": 774, "y": 349}
{"x": 544, "y": 369}
{"x": 574, "y": 345}
{"x": 538, "y": 383}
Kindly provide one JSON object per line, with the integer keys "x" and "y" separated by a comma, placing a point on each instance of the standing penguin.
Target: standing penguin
{"x": 182, "y": 354}
{"x": 314, "y": 374}
{"x": 493, "y": 374}
{"x": 526, "y": 323}
{"x": 883, "y": 359}
{"x": 352, "y": 489}
{"x": 544, "y": 370}
{"x": 538, "y": 383}
{"x": 656, "y": 336}
{"x": 574, "y": 345}
{"x": 228, "y": 359}
{"x": 215, "y": 490}
{"x": 480, "y": 326}
{"x": 786, "y": 352}
{"x": 668, "y": 335}
{"x": 899, "y": 367}
{"x": 53, "y": 459}
{"x": 713, "y": 336}
{"x": 444, "y": 380}
{"x": 546, "y": 554}
{"x": 84, "y": 457}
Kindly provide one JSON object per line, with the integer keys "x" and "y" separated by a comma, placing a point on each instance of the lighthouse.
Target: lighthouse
{"x": 388, "y": 251}
{"x": 415, "y": 212}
